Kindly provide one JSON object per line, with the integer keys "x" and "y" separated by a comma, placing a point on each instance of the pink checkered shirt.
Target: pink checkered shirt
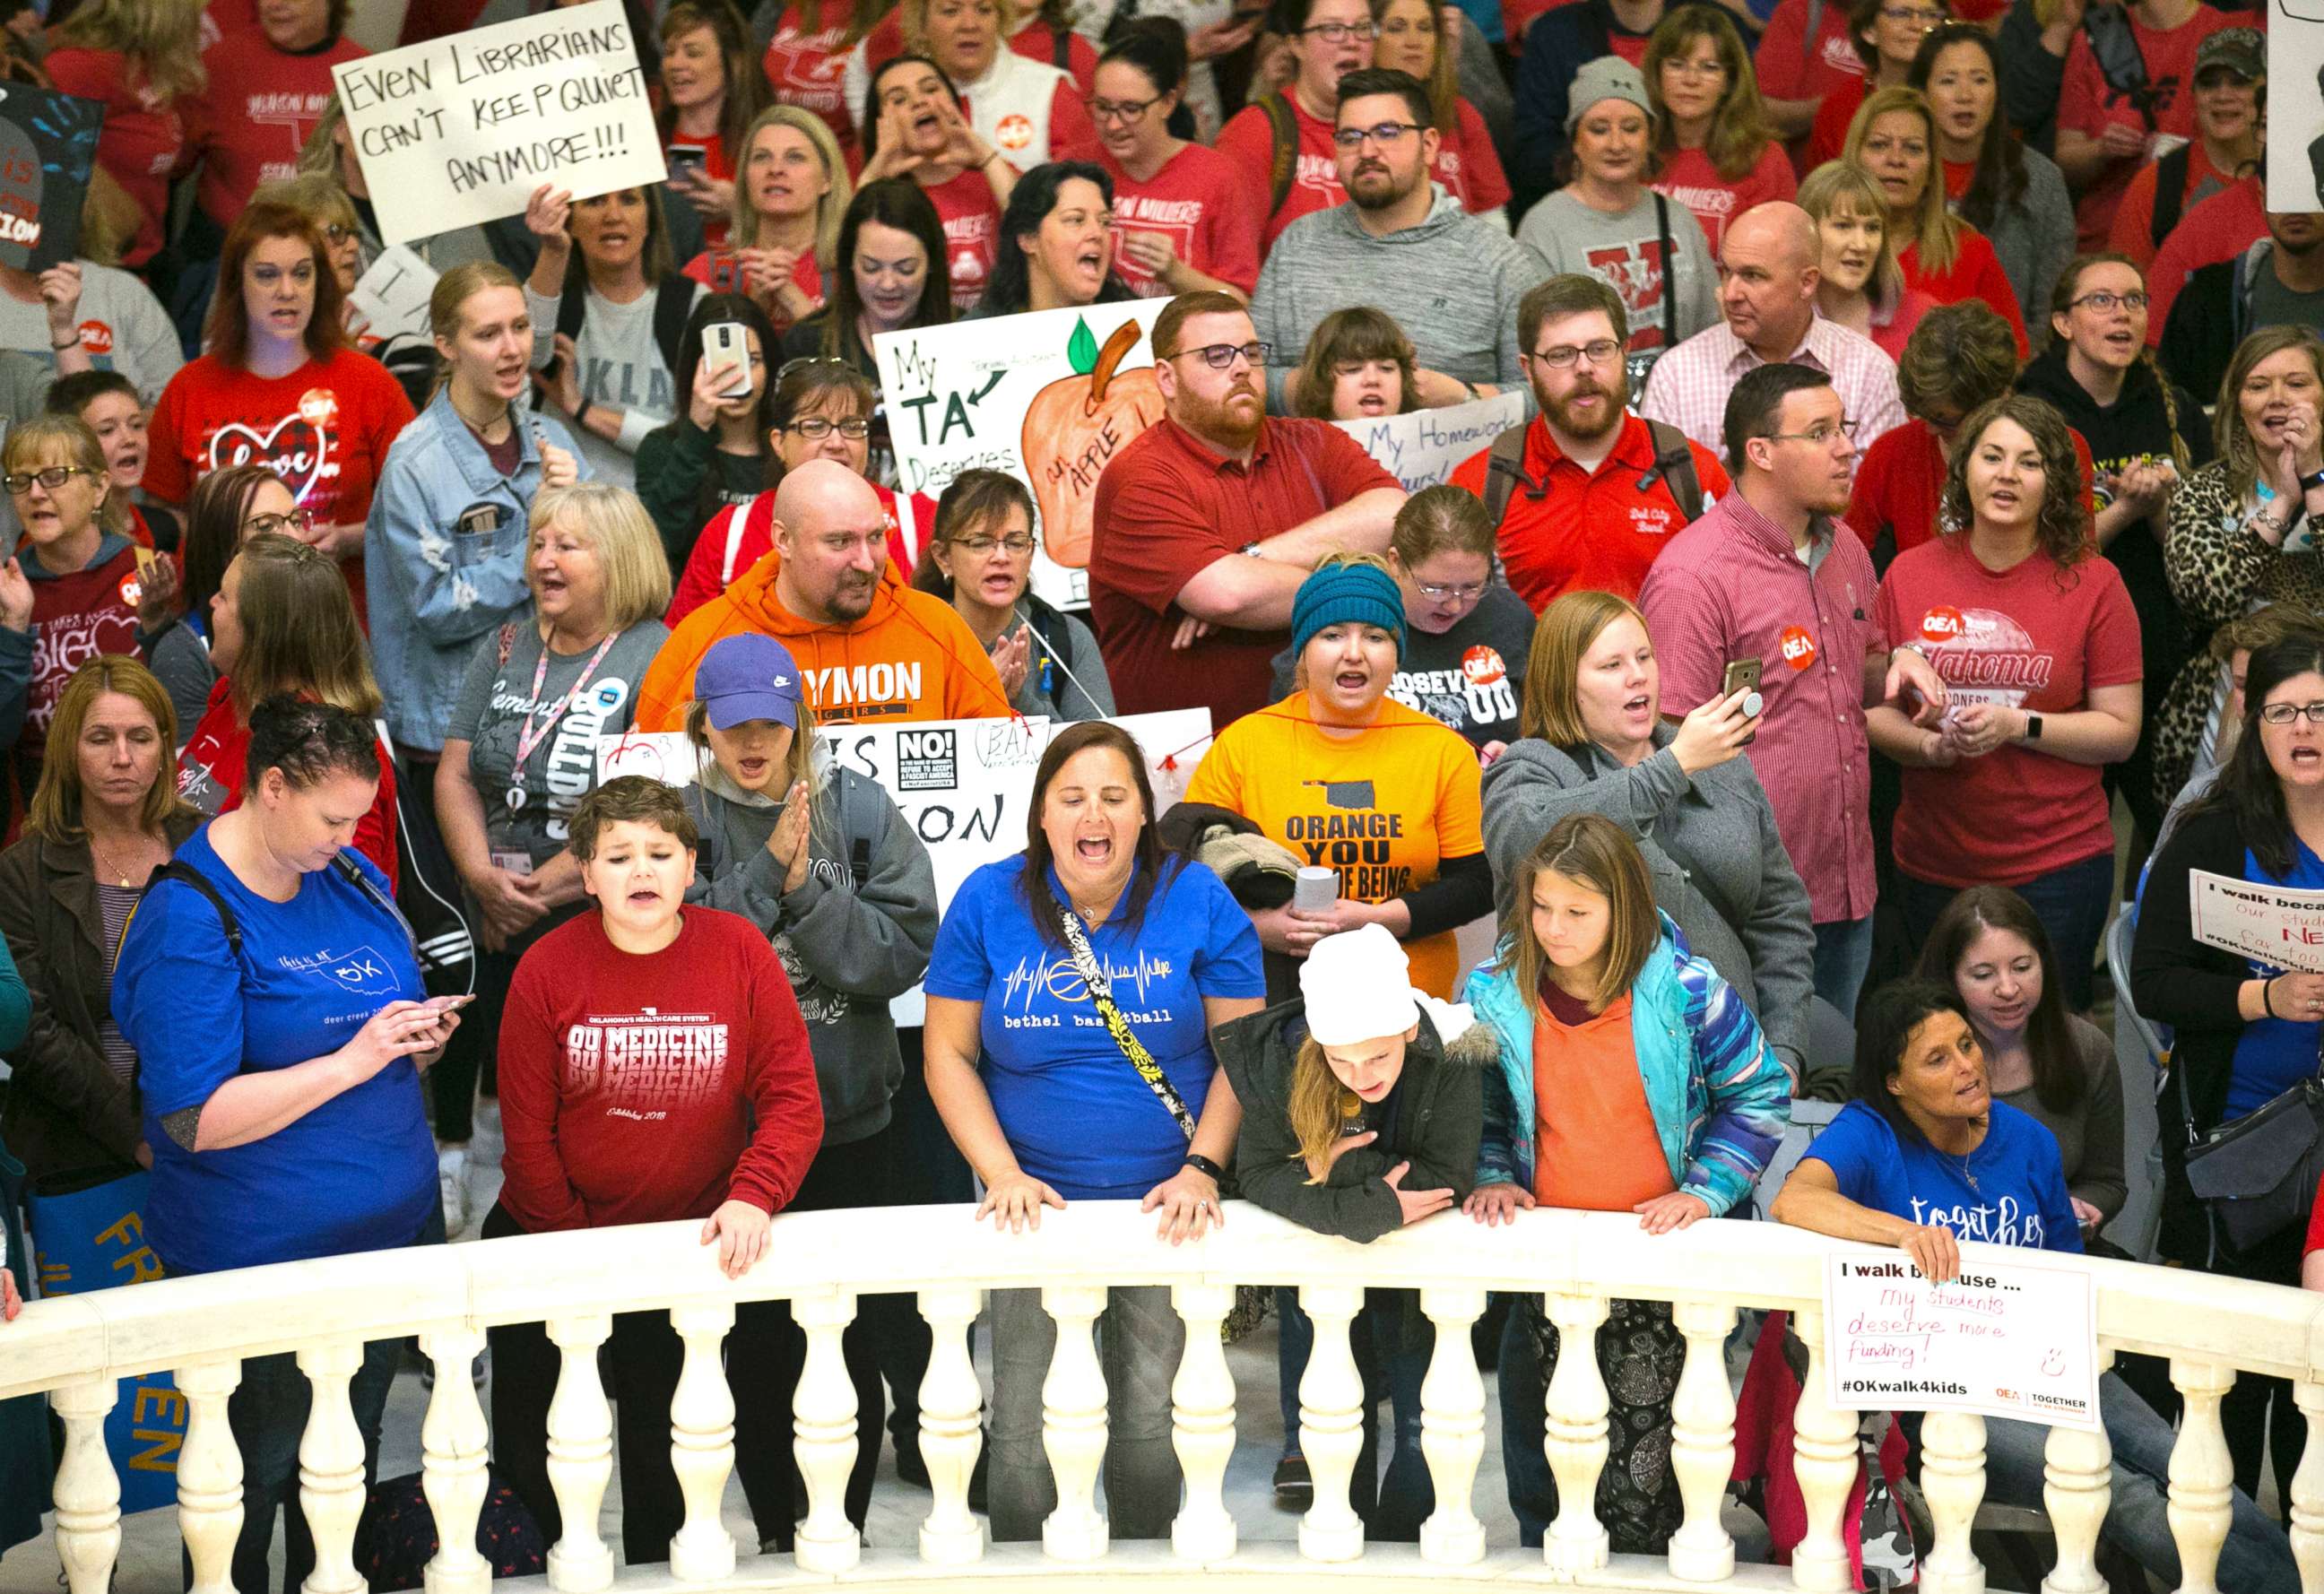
{"x": 1688, "y": 387}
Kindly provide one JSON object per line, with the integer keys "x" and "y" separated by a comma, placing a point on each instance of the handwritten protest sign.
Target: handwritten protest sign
{"x": 2004, "y": 1339}
{"x": 2295, "y": 106}
{"x": 2272, "y": 925}
{"x": 392, "y": 298}
{"x": 1423, "y": 448}
{"x": 461, "y": 131}
{"x": 48, "y": 144}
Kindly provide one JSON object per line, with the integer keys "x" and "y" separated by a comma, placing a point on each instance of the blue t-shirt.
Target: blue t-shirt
{"x": 1077, "y": 1113}
{"x": 2012, "y": 1191}
{"x": 358, "y": 1172}
{"x": 2274, "y": 1055}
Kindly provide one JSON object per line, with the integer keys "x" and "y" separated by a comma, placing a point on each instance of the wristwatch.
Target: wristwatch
{"x": 1204, "y": 1165}
{"x": 2032, "y": 727}
{"x": 2309, "y": 483}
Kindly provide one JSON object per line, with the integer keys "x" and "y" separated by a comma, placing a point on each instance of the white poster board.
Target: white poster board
{"x": 460, "y": 131}
{"x": 2295, "y": 105}
{"x": 392, "y": 298}
{"x": 2004, "y": 1339}
{"x": 1423, "y": 448}
{"x": 2273, "y": 925}
{"x": 1049, "y": 396}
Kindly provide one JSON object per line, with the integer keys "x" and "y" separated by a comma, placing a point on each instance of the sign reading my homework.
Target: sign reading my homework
{"x": 460, "y": 131}
{"x": 48, "y": 144}
{"x": 2003, "y": 1339}
{"x": 2271, "y": 925}
{"x": 1423, "y": 448}
{"x": 964, "y": 786}
{"x": 1049, "y": 396}
{"x": 2295, "y": 106}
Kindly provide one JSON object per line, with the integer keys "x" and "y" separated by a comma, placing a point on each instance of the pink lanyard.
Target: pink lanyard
{"x": 531, "y": 735}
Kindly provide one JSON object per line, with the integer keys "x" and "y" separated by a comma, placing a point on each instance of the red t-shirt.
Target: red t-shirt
{"x": 2022, "y": 637}
{"x": 972, "y": 227}
{"x": 714, "y": 163}
{"x": 260, "y": 107}
{"x": 2220, "y": 228}
{"x": 637, "y": 1088}
{"x": 810, "y": 70}
{"x": 1901, "y": 477}
{"x": 719, "y": 269}
{"x": 1247, "y": 141}
{"x": 211, "y": 770}
{"x": 2134, "y": 219}
{"x": 1792, "y": 67}
{"x": 1689, "y": 177}
{"x": 1977, "y": 274}
{"x": 1167, "y": 506}
{"x": 1828, "y": 136}
{"x": 1197, "y": 201}
{"x": 142, "y": 140}
{"x": 2086, "y": 105}
{"x": 75, "y": 618}
{"x": 2315, "y": 1223}
{"x": 1893, "y": 334}
{"x": 1468, "y": 165}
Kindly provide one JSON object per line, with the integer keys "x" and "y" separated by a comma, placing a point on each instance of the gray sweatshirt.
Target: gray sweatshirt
{"x": 1072, "y": 686}
{"x": 1455, "y": 282}
{"x": 2034, "y": 238}
{"x": 848, "y": 948}
{"x": 1619, "y": 248}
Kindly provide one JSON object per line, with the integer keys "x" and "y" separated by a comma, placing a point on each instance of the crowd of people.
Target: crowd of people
{"x": 1922, "y": 447}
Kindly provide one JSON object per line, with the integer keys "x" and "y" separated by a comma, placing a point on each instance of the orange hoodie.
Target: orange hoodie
{"x": 911, "y": 657}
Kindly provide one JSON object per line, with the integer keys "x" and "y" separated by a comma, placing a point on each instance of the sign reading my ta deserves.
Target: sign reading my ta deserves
{"x": 2004, "y": 1339}
{"x": 460, "y": 131}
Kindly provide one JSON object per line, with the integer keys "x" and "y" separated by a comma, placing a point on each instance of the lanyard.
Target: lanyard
{"x": 532, "y": 733}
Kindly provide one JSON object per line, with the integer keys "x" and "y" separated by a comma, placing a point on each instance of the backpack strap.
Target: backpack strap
{"x": 1675, "y": 464}
{"x": 574, "y": 305}
{"x": 2169, "y": 192}
{"x": 1670, "y": 274}
{"x": 673, "y": 304}
{"x": 1814, "y": 28}
{"x": 1284, "y": 161}
{"x": 1505, "y": 472}
{"x": 1061, "y": 49}
{"x": 186, "y": 874}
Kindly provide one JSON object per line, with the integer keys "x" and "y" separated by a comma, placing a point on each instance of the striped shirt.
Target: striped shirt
{"x": 1690, "y": 385}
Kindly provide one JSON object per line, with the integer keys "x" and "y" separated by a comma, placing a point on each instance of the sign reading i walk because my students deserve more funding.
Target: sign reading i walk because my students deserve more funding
{"x": 2004, "y": 1338}
{"x": 461, "y": 131}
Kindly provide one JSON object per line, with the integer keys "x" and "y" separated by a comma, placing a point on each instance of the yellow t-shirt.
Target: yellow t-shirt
{"x": 1384, "y": 808}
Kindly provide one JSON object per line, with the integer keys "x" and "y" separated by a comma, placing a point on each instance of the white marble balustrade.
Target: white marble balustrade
{"x": 75, "y": 1348}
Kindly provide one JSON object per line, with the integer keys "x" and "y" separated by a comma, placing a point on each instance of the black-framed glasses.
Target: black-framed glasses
{"x": 1341, "y": 32}
{"x": 1220, "y": 357}
{"x": 1382, "y": 134}
{"x": 1598, "y": 351}
{"x": 52, "y": 478}
{"x": 2283, "y": 714}
{"x": 2103, "y": 301}
{"x": 1127, "y": 111}
{"x": 976, "y": 548}
{"x": 296, "y": 521}
{"x": 1822, "y": 437}
{"x": 815, "y": 428}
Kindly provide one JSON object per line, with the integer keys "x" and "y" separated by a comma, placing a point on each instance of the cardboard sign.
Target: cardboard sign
{"x": 392, "y": 298}
{"x": 1049, "y": 397}
{"x": 461, "y": 131}
{"x": 1424, "y": 448}
{"x": 2295, "y": 105}
{"x": 2004, "y": 1339}
{"x": 48, "y": 144}
{"x": 2271, "y": 925}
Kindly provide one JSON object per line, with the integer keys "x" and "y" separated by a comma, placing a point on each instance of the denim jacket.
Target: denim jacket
{"x": 1720, "y": 1099}
{"x": 444, "y": 558}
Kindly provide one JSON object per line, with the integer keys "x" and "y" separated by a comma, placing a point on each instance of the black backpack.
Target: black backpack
{"x": 2169, "y": 192}
{"x": 673, "y": 304}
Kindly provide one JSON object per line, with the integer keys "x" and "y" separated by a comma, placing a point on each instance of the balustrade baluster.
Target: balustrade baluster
{"x": 1202, "y": 1424}
{"x": 824, "y": 1420}
{"x": 1332, "y": 1423}
{"x": 209, "y": 1476}
{"x": 331, "y": 1467}
{"x": 951, "y": 1435}
{"x": 1074, "y": 1423}
{"x": 580, "y": 1455}
{"x": 454, "y": 1456}
{"x": 1952, "y": 1481}
{"x": 2078, "y": 1483}
{"x": 1453, "y": 1429}
{"x": 2308, "y": 1489}
{"x": 2202, "y": 1474}
{"x": 702, "y": 1443}
{"x": 1824, "y": 1458}
{"x": 87, "y": 1491}
{"x": 1574, "y": 1435}
{"x": 1703, "y": 1442}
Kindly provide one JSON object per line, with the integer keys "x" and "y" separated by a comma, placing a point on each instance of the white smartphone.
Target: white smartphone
{"x": 729, "y": 342}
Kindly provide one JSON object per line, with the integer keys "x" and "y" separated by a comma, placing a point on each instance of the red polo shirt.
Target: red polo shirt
{"x": 1588, "y": 531}
{"x": 1730, "y": 587}
{"x": 1167, "y": 506}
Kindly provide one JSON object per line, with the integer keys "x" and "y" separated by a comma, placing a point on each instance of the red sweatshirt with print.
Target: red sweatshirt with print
{"x": 630, "y": 1082}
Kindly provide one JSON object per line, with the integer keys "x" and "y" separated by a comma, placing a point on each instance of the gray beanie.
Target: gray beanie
{"x": 1610, "y": 76}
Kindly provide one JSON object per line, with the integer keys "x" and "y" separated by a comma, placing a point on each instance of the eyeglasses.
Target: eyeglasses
{"x": 338, "y": 233}
{"x": 296, "y": 521}
{"x": 1928, "y": 16}
{"x": 1220, "y": 357}
{"x": 52, "y": 478}
{"x": 1383, "y": 133}
{"x": 814, "y": 428}
{"x": 2103, "y": 301}
{"x": 1468, "y": 592}
{"x": 1695, "y": 69}
{"x": 1127, "y": 111}
{"x": 976, "y": 548}
{"x": 1602, "y": 351}
{"x": 1341, "y": 32}
{"x": 1822, "y": 437}
{"x": 2283, "y": 714}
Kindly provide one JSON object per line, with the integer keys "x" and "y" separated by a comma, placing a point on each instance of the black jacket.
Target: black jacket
{"x": 2210, "y": 315}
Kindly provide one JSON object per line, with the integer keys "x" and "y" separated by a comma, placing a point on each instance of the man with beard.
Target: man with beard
{"x": 1597, "y": 493}
{"x": 1771, "y": 574}
{"x": 1209, "y": 520}
{"x": 1767, "y": 294}
{"x": 2278, "y": 281}
{"x": 870, "y": 646}
{"x": 1453, "y": 279}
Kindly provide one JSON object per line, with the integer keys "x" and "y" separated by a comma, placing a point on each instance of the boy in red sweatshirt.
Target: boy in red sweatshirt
{"x": 640, "y": 1046}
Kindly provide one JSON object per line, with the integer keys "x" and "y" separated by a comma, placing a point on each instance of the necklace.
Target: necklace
{"x": 104, "y": 866}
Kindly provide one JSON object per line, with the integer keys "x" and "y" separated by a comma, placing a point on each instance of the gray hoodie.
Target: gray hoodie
{"x": 1454, "y": 281}
{"x": 850, "y": 944}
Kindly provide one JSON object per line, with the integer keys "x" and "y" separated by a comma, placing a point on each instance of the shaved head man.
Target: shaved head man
{"x": 1769, "y": 273}
{"x": 833, "y": 535}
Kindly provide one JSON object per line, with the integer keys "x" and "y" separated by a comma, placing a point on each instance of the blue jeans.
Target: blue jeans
{"x": 1843, "y": 953}
{"x": 1394, "y": 1508}
{"x": 2071, "y": 902}
{"x": 2256, "y": 1559}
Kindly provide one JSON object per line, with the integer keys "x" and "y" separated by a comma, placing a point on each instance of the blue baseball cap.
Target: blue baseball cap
{"x": 749, "y": 677}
